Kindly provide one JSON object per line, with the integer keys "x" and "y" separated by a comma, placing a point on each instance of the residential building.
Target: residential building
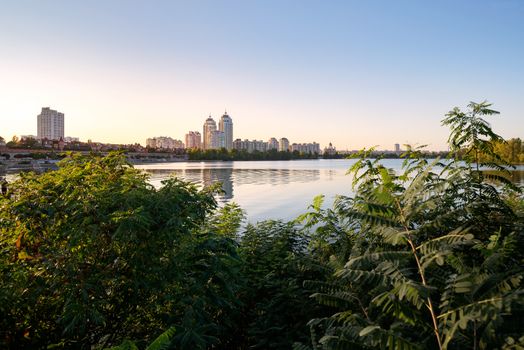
{"x": 226, "y": 126}
{"x": 397, "y": 148}
{"x": 164, "y": 142}
{"x": 272, "y": 144}
{"x": 283, "y": 144}
{"x": 218, "y": 140}
{"x": 238, "y": 144}
{"x": 250, "y": 146}
{"x": 306, "y": 147}
{"x": 50, "y": 124}
{"x": 259, "y": 145}
{"x": 151, "y": 143}
{"x": 179, "y": 144}
{"x": 210, "y": 126}
{"x": 194, "y": 140}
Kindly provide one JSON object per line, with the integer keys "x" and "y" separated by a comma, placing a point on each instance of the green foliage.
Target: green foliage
{"x": 92, "y": 253}
{"x": 511, "y": 151}
{"x": 160, "y": 343}
{"x": 276, "y": 306}
{"x": 470, "y": 132}
{"x": 227, "y": 220}
{"x": 435, "y": 252}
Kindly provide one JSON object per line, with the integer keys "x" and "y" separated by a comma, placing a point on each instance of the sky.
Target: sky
{"x": 354, "y": 73}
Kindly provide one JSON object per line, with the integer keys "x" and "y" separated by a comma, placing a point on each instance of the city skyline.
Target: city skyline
{"x": 350, "y": 73}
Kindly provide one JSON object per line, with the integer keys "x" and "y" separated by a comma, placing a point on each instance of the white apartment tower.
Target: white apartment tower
{"x": 226, "y": 126}
{"x": 50, "y": 124}
{"x": 209, "y": 129}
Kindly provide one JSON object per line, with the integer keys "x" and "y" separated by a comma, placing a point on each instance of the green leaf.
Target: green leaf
{"x": 368, "y": 330}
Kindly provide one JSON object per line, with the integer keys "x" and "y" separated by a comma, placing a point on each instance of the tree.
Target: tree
{"x": 471, "y": 136}
{"x": 435, "y": 254}
{"x": 92, "y": 254}
{"x": 276, "y": 306}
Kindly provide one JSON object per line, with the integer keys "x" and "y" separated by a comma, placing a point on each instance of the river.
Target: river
{"x": 273, "y": 189}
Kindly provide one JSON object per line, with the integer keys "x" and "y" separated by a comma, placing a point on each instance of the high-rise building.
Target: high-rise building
{"x": 218, "y": 140}
{"x": 193, "y": 140}
{"x": 283, "y": 144}
{"x": 272, "y": 144}
{"x": 50, "y": 124}
{"x": 210, "y": 126}
{"x": 397, "y": 148}
{"x": 226, "y": 126}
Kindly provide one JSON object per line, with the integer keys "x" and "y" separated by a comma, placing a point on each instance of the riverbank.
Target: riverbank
{"x": 14, "y": 166}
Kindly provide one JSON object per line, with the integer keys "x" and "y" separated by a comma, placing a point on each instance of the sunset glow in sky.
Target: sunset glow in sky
{"x": 356, "y": 73}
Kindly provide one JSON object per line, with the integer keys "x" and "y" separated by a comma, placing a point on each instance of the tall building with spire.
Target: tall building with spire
{"x": 226, "y": 126}
{"x": 210, "y": 127}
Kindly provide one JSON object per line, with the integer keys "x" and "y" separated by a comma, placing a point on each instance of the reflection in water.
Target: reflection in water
{"x": 276, "y": 189}
{"x": 274, "y": 176}
{"x": 205, "y": 177}
{"x": 517, "y": 176}
{"x": 212, "y": 176}
{"x": 228, "y": 176}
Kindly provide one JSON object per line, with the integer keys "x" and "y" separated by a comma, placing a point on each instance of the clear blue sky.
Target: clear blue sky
{"x": 357, "y": 73}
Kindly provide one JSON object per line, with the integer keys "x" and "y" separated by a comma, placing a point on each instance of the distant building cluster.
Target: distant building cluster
{"x": 214, "y": 137}
{"x": 282, "y": 145}
{"x": 250, "y": 146}
{"x": 221, "y": 137}
{"x": 50, "y": 131}
{"x": 50, "y": 135}
{"x": 306, "y": 148}
{"x": 164, "y": 143}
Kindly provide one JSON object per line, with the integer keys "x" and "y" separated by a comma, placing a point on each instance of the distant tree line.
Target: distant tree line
{"x": 234, "y": 154}
{"x": 388, "y": 155}
{"x": 511, "y": 151}
{"x": 26, "y": 143}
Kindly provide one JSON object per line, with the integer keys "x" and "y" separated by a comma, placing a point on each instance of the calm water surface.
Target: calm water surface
{"x": 272, "y": 189}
